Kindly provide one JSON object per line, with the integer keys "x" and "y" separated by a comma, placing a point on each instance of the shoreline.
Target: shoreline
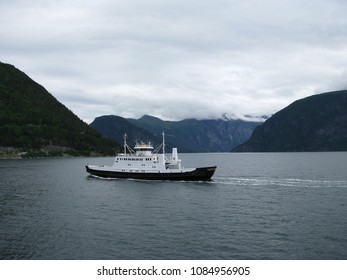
{"x": 51, "y": 151}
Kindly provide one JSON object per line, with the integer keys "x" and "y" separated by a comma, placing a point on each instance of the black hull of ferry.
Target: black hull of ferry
{"x": 199, "y": 174}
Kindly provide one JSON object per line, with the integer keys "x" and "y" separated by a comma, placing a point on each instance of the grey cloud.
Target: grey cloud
{"x": 177, "y": 59}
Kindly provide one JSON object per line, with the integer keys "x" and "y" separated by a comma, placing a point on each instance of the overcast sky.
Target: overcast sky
{"x": 177, "y": 59}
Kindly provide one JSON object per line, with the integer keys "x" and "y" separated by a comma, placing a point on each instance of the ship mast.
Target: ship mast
{"x": 125, "y": 143}
{"x": 163, "y": 143}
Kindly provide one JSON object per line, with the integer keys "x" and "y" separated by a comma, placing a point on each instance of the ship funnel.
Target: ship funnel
{"x": 174, "y": 156}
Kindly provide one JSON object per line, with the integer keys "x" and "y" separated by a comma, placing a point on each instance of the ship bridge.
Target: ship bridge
{"x": 143, "y": 149}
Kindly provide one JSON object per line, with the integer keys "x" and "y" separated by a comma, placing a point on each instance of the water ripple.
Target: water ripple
{"x": 280, "y": 182}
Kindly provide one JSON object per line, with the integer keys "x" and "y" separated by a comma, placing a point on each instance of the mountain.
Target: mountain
{"x": 34, "y": 122}
{"x": 315, "y": 123}
{"x": 115, "y": 127}
{"x": 188, "y": 135}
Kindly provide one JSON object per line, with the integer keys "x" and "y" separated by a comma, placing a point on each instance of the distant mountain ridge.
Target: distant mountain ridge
{"x": 189, "y": 135}
{"x": 34, "y": 122}
{"x": 115, "y": 127}
{"x": 314, "y": 123}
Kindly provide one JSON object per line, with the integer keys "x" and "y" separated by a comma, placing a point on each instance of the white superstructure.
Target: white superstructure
{"x": 144, "y": 158}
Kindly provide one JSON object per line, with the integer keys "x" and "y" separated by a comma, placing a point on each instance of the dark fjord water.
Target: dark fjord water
{"x": 258, "y": 206}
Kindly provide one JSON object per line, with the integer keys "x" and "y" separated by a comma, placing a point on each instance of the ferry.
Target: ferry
{"x": 146, "y": 163}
